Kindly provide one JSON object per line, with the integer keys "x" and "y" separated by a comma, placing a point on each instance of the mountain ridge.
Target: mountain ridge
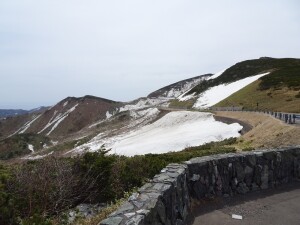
{"x": 76, "y": 118}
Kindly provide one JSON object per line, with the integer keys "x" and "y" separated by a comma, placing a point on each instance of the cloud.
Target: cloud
{"x": 126, "y": 49}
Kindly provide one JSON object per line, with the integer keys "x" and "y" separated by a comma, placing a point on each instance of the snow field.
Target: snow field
{"x": 184, "y": 97}
{"x": 173, "y": 132}
{"x": 216, "y": 94}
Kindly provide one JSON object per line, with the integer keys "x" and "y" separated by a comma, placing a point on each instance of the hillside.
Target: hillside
{"x": 65, "y": 118}
{"x": 22, "y": 144}
{"x": 282, "y": 99}
{"x": 284, "y": 72}
{"x": 176, "y": 89}
{"x": 277, "y": 86}
{"x": 86, "y": 123}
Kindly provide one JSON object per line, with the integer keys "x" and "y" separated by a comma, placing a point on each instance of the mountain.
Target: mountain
{"x": 273, "y": 83}
{"x": 65, "y": 118}
{"x": 12, "y": 112}
{"x": 74, "y": 124}
{"x": 176, "y": 89}
{"x": 17, "y": 112}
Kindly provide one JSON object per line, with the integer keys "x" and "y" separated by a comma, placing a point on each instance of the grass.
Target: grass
{"x": 103, "y": 214}
{"x": 175, "y": 103}
{"x": 282, "y": 99}
{"x": 284, "y": 73}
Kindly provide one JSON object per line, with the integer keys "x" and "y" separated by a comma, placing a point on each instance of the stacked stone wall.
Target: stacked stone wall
{"x": 166, "y": 200}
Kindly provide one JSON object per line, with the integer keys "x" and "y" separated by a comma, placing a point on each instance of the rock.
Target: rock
{"x": 111, "y": 221}
{"x": 265, "y": 178}
{"x": 242, "y": 188}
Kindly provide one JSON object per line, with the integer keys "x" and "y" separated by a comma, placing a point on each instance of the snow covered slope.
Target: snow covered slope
{"x": 217, "y": 93}
{"x": 173, "y": 132}
{"x": 178, "y": 88}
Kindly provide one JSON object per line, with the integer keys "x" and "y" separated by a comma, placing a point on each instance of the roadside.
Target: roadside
{"x": 266, "y": 132}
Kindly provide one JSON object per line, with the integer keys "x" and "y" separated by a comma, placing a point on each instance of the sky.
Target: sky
{"x": 122, "y": 50}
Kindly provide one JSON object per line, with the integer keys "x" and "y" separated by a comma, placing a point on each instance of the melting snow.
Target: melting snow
{"x": 57, "y": 120}
{"x": 30, "y": 147}
{"x": 176, "y": 92}
{"x": 216, "y": 75}
{"x": 184, "y": 97}
{"x": 144, "y": 103}
{"x": 66, "y": 103}
{"x": 37, "y": 156}
{"x": 108, "y": 115}
{"x": 25, "y": 126}
{"x": 216, "y": 94}
{"x": 173, "y": 132}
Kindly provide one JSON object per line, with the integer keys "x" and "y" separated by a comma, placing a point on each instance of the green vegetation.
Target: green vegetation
{"x": 175, "y": 103}
{"x": 274, "y": 99}
{"x": 37, "y": 192}
{"x": 284, "y": 73}
{"x": 17, "y": 145}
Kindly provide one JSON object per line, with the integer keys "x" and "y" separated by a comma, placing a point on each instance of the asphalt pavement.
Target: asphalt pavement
{"x": 278, "y": 206}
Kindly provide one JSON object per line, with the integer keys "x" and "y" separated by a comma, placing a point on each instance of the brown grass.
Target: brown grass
{"x": 267, "y": 131}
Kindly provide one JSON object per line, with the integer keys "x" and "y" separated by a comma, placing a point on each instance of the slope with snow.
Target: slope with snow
{"x": 143, "y": 103}
{"x": 217, "y": 93}
{"x": 184, "y": 97}
{"x": 54, "y": 122}
{"x": 173, "y": 132}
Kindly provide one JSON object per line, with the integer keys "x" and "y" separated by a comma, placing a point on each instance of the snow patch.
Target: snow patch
{"x": 97, "y": 123}
{"x": 25, "y": 126}
{"x": 184, "y": 97}
{"x": 216, "y": 94}
{"x": 108, "y": 115}
{"x": 173, "y": 132}
{"x": 57, "y": 120}
{"x": 31, "y": 147}
{"x": 66, "y": 103}
{"x": 38, "y": 156}
{"x": 144, "y": 103}
{"x": 216, "y": 75}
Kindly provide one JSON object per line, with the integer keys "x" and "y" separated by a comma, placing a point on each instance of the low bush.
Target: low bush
{"x": 38, "y": 190}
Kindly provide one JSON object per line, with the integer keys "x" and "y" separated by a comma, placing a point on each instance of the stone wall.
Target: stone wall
{"x": 166, "y": 199}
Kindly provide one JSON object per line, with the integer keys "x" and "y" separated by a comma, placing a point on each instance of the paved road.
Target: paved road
{"x": 276, "y": 207}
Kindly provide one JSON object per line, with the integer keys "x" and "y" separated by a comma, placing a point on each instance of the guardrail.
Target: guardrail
{"x": 289, "y": 118}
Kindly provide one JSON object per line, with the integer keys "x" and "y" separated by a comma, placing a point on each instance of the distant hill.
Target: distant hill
{"x": 12, "y": 112}
{"x": 66, "y": 117}
{"x": 17, "y": 112}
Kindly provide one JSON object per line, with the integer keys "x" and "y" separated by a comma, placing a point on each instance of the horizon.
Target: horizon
{"x": 125, "y": 50}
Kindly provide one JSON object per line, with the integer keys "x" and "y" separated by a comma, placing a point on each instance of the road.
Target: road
{"x": 279, "y": 206}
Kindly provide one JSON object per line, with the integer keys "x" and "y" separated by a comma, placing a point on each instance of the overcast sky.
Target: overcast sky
{"x": 122, "y": 50}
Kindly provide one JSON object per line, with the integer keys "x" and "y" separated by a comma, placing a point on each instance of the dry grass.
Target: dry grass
{"x": 267, "y": 131}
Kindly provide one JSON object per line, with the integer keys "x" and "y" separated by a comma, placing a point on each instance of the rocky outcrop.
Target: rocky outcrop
{"x": 166, "y": 199}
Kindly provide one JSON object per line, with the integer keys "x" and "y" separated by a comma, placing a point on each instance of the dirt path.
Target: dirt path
{"x": 266, "y": 132}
